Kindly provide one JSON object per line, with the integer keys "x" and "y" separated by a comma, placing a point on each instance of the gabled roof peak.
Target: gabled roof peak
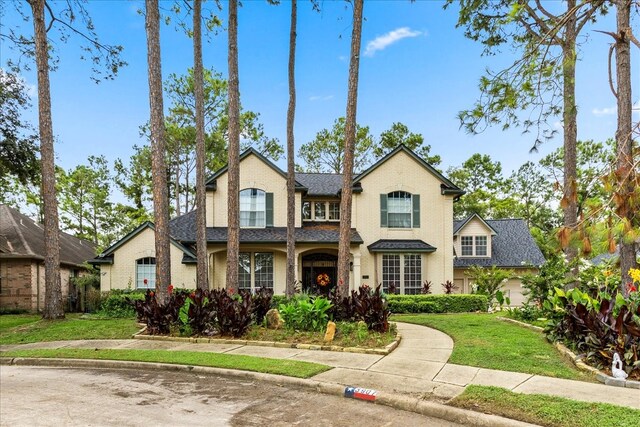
{"x": 447, "y": 187}
{"x": 464, "y": 222}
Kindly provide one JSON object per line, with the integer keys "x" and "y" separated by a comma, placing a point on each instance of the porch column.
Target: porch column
{"x": 357, "y": 276}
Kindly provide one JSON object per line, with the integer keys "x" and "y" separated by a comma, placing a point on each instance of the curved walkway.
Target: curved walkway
{"x": 417, "y": 367}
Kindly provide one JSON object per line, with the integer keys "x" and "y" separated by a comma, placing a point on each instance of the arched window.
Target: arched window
{"x": 146, "y": 273}
{"x": 252, "y": 208}
{"x": 399, "y": 208}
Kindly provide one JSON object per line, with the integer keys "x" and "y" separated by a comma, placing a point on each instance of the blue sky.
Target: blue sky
{"x": 416, "y": 68}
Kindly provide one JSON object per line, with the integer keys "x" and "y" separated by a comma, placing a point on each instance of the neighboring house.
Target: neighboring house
{"x": 614, "y": 258}
{"x": 504, "y": 243}
{"x": 22, "y": 261}
{"x": 402, "y": 230}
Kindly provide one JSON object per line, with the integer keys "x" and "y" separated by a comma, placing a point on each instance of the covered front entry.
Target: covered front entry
{"x": 319, "y": 272}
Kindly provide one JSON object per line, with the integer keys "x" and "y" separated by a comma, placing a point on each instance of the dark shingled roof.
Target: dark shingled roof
{"x": 183, "y": 229}
{"x": 320, "y": 184}
{"x": 400, "y": 245}
{"x": 512, "y": 246}
{"x": 21, "y": 237}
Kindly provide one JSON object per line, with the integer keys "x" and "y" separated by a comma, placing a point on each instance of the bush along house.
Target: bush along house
{"x": 402, "y": 231}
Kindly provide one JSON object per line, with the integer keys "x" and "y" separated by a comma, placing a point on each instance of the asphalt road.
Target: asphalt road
{"x": 33, "y": 396}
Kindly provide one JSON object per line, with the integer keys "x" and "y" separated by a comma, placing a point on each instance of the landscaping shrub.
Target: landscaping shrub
{"x": 159, "y": 317}
{"x": 277, "y": 300}
{"x": 527, "y": 313}
{"x": 342, "y": 309}
{"x": 233, "y": 312}
{"x": 306, "y": 313}
{"x": 261, "y": 303}
{"x": 118, "y": 303}
{"x": 488, "y": 281}
{"x": 598, "y": 326}
{"x": 454, "y": 303}
{"x": 371, "y": 307}
{"x": 412, "y": 306}
{"x": 449, "y": 287}
{"x": 426, "y": 287}
{"x": 198, "y": 313}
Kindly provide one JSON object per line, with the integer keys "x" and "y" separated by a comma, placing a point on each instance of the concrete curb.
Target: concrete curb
{"x": 361, "y": 350}
{"x": 393, "y": 400}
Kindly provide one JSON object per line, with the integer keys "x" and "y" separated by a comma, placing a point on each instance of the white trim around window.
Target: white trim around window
{"x": 255, "y": 270}
{"x": 474, "y": 246}
{"x": 404, "y": 270}
{"x": 320, "y": 211}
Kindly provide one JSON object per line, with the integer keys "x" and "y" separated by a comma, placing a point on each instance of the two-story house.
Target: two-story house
{"x": 402, "y": 230}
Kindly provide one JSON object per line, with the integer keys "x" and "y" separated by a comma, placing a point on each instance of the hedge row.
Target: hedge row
{"x": 455, "y": 303}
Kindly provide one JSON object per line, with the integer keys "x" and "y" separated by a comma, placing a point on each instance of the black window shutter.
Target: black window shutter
{"x": 269, "y": 210}
{"x": 416, "y": 210}
{"x": 383, "y": 210}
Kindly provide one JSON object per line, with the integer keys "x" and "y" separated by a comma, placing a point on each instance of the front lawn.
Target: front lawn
{"x": 22, "y": 329}
{"x": 545, "y": 410}
{"x": 290, "y": 368}
{"x": 484, "y": 341}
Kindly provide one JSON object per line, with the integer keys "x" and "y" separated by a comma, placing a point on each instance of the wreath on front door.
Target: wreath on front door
{"x": 323, "y": 279}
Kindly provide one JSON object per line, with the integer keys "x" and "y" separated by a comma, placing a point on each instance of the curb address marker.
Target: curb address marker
{"x": 360, "y": 393}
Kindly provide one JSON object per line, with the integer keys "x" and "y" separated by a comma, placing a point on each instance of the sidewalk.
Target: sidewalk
{"x": 418, "y": 367}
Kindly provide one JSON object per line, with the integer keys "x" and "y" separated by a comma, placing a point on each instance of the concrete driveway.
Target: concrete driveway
{"x": 31, "y": 396}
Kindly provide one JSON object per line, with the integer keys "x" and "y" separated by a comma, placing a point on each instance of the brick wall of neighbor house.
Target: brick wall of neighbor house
{"x": 15, "y": 284}
{"x": 402, "y": 173}
{"x": 122, "y": 274}
{"x": 254, "y": 173}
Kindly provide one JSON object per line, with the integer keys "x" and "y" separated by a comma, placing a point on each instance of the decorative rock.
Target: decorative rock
{"x": 616, "y": 368}
{"x": 331, "y": 332}
{"x": 274, "y": 321}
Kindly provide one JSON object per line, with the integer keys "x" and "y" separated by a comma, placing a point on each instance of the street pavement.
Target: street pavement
{"x": 35, "y": 396}
{"x": 417, "y": 367}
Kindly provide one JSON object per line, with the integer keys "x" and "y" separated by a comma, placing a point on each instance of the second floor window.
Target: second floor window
{"x": 252, "y": 208}
{"x": 473, "y": 246}
{"x": 319, "y": 210}
{"x": 399, "y": 209}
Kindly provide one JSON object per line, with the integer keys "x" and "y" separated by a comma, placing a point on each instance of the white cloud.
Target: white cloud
{"x": 320, "y": 98}
{"x": 381, "y": 42}
{"x": 558, "y": 125}
{"x": 607, "y": 111}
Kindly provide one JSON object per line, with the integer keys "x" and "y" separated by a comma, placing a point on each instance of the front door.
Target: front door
{"x": 319, "y": 273}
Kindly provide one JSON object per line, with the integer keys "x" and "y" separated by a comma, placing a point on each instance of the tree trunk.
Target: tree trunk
{"x": 53, "y": 303}
{"x": 176, "y": 190}
{"x": 570, "y": 209}
{"x": 291, "y": 179}
{"x": 233, "y": 205}
{"x": 344, "y": 254}
{"x": 624, "y": 141}
{"x": 158, "y": 150}
{"x": 201, "y": 194}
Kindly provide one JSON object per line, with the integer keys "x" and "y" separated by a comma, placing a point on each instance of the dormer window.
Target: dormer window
{"x": 320, "y": 210}
{"x": 252, "y": 208}
{"x": 473, "y": 246}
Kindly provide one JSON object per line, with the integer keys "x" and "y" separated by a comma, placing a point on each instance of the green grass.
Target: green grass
{"x": 545, "y": 410}
{"x": 8, "y": 321}
{"x": 290, "y": 368}
{"x": 484, "y": 341}
{"x": 21, "y": 329}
